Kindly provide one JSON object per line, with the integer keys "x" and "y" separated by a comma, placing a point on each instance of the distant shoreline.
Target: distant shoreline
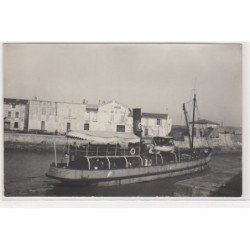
{"x": 45, "y": 143}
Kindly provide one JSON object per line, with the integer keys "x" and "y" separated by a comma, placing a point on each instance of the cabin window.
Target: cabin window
{"x": 9, "y": 114}
{"x": 42, "y": 125}
{"x": 158, "y": 122}
{"x": 16, "y": 125}
{"x": 17, "y": 115}
{"x": 86, "y": 126}
{"x": 68, "y": 126}
{"x": 120, "y": 128}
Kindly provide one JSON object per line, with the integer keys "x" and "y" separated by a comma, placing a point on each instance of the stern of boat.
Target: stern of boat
{"x": 63, "y": 173}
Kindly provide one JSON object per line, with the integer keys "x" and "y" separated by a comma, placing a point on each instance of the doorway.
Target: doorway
{"x": 43, "y": 125}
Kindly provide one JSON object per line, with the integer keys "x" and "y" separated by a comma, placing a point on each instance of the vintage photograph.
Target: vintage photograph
{"x": 122, "y": 119}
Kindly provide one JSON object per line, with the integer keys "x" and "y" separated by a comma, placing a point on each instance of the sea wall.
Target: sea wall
{"x": 33, "y": 141}
{"x": 224, "y": 143}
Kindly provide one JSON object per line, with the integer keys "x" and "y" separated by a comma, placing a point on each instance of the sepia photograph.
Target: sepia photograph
{"x": 122, "y": 119}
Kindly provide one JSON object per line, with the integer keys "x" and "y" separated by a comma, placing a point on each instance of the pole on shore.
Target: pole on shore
{"x": 55, "y": 152}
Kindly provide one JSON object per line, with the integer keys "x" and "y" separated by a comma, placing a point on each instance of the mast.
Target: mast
{"x": 186, "y": 119}
{"x": 192, "y": 142}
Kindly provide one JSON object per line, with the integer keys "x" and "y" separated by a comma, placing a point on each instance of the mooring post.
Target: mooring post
{"x": 68, "y": 155}
{"x": 55, "y": 153}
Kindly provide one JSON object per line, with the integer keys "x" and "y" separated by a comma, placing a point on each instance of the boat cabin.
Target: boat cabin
{"x": 98, "y": 150}
{"x": 159, "y": 144}
{"x": 90, "y": 150}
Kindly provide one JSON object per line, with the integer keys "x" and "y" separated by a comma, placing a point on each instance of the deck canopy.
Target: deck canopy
{"x": 104, "y": 137}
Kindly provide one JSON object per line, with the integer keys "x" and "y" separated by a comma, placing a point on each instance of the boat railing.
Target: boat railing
{"x": 94, "y": 150}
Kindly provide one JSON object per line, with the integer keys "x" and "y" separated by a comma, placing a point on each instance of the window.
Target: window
{"x": 9, "y": 114}
{"x": 6, "y": 125}
{"x": 42, "y": 125}
{"x": 120, "y": 128}
{"x": 68, "y": 126}
{"x": 158, "y": 122}
{"x": 17, "y": 115}
{"x": 86, "y": 126}
{"x": 16, "y": 125}
{"x": 43, "y": 111}
{"x": 146, "y": 132}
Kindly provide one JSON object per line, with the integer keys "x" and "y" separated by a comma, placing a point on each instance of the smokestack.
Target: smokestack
{"x": 137, "y": 122}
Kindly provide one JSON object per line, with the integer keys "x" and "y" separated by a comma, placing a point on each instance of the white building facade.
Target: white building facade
{"x": 55, "y": 117}
{"x": 203, "y": 127}
{"x": 60, "y": 117}
{"x": 155, "y": 124}
{"x": 114, "y": 117}
{"x": 16, "y": 114}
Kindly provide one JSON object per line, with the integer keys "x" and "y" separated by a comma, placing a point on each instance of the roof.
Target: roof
{"x": 151, "y": 115}
{"x": 104, "y": 137}
{"x": 154, "y": 115}
{"x": 204, "y": 121}
{"x": 114, "y": 101}
{"x": 15, "y": 101}
{"x": 179, "y": 127}
{"x": 92, "y": 107}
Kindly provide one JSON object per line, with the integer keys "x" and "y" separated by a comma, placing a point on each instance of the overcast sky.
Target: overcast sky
{"x": 155, "y": 77}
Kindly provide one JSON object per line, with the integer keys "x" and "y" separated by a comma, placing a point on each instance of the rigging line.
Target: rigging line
{"x": 188, "y": 102}
{"x": 199, "y": 116}
{"x": 198, "y": 111}
{"x": 181, "y": 118}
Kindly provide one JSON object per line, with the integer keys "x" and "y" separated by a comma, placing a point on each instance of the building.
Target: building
{"x": 60, "y": 117}
{"x": 154, "y": 124}
{"x": 203, "y": 127}
{"x": 91, "y": 117}
{"x": 16, "y": 114}
{"x": 42, "y": 116}
{"x": 178, "y": 132}
{"x": 114, "y": 117}
{"x": 55, "y": 117}
{"x": 70, "y": 116}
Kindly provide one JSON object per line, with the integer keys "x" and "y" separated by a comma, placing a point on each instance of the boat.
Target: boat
{"x": 116, "y": 158}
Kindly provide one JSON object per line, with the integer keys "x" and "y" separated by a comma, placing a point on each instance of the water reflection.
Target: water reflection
{"x": 25, "y": 176}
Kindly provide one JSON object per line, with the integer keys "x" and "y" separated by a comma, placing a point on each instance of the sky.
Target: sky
{"x": 154, "y": 77}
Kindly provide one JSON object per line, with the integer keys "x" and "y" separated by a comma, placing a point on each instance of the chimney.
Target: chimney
{"x": 137, "y": 122}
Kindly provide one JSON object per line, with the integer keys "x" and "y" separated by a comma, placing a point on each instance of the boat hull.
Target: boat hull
{"x": 113, "y": 177}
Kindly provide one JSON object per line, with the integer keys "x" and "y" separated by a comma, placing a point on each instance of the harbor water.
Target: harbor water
{"x": 24, "y": 176}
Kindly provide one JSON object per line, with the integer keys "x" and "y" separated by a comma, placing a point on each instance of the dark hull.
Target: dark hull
{"x": 127, "y": 176}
